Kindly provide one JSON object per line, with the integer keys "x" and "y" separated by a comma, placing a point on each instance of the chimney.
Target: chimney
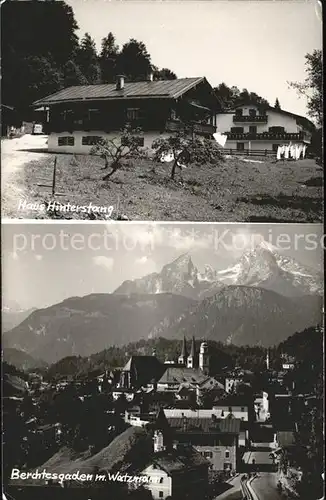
{"x": 151, "y": 76}
{"x": 120, "y": 83}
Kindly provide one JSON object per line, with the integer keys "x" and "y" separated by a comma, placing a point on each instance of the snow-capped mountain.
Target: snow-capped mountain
{"x": 262, "y": 267}
{"x": 179, "y": 277}
{"x": 265, "y": 267}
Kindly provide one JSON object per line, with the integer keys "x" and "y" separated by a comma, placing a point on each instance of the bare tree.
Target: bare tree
{"x": 127, "y": 146}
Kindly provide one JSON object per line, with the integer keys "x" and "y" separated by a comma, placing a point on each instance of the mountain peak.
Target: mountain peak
{"x": 265, "y": 245}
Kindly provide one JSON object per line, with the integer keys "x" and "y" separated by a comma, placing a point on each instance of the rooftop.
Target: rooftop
{"x": 163, "y": 89}
{"x": 205, "y": 425}
{"x": 180, "y": 374}
{"x": 285, "y": 438}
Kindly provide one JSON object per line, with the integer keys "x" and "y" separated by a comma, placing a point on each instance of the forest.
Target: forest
{"x": 38, "y": 61}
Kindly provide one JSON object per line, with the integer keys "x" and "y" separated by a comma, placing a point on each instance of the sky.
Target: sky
{"x": 45, "y": 263}
{"x": 258, "y": 44}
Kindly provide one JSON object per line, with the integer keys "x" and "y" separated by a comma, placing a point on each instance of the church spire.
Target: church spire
{"x": 184, "y": 354}
{"x": 191, "y": 360}
{"x": 267, "y": 359}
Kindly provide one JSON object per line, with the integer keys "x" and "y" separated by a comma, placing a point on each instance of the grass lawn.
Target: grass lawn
{"x": 234, "y": 190}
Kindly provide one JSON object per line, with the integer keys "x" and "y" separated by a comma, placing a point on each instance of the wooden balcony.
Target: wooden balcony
{"x": 268, "y": 136}
{"x": 204, "y": 129}
{"x": 250, "y": 119}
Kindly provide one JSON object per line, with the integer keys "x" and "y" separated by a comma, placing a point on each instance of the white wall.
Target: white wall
{"x": 224, "y": 122}
{"x": 216, "y": 411}
{"x": 78, "y": 148}
{"x": 135, "y": 421}
{"x": 218, "y": 458}
{"x": 279, "y": 120}
{"x": 258, "y": 145}
{"x": 154, "y": 485}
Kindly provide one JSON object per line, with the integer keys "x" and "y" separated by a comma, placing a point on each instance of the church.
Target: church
{"x": 193, "y": 360}
{"x": 191, "y": 372}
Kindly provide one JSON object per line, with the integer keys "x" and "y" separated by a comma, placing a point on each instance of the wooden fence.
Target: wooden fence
{"x": 249, "y": 152}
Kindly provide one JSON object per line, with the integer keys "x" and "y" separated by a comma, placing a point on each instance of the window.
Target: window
{"x": 238, "y": 112}
{"x": 66, "y": 141}
{"x": 230, "y": 409}
{"x": 276, "y": 130}
{"x": 227, "y": 454}
{"x": 237, "y": 130}
{"x": 160, "y": 494}
{"x": 93, "y": 113}
{"x": 140, "y": 141}
{"x": 227, "y": 466}
{"x": 68, "y": 114}
{"x": 275, "y": 147}
{"x": 133, "y": 113}
{"x": 240, "y": 146}
{"x": 252, "y": 112}
{"x": 253, "y": 129}
{"x": 161, "y": 480}
{"x": 242, "y": 409}
{"x": 90, "y": 140}
{"x": 208, "y": 454}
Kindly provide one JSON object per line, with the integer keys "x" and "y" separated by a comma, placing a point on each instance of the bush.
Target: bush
{"x": 185, "y": 150}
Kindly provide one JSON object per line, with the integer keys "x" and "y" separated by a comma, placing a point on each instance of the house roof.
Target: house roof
{"x": 180, "y": 374}
{"x": 285, "y": 438}
{"x": 144, "y": 368}
{"x": 232, "y": 400}
{"x": 205, "y": 425}
{"x": 163, "y": 89}
{"x": 184, "y": 458}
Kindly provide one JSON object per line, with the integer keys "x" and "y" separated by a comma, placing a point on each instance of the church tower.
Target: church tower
{"x": 267, "y": 359}
{"x": 182, "y": 360}
{"x": 204, "y": 358}
{"x": 192, "y": 358}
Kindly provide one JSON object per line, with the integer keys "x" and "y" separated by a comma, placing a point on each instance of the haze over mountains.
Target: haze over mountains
{"x": 263, "y": 299}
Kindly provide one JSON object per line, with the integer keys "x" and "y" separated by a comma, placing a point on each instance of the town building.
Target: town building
{"x": 174, "y": 470}
{"x": 191, "y": 375}
{"x": 217, "y": 440}
{"x": 288, "y": 362}
{"x": 261, "y": 406}
{"x": 252, "y": 127}
{"x": 237, "y": 406}
{"x": 78, "y": 117}
{"x": 212, "y": 414}
{"x": 140, "y": 371}
{"x": 235, "y": 378}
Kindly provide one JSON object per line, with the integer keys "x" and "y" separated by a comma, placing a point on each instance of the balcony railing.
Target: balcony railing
{"x": 204, "y": 129}
{"x": 250, "y": 119}
{"x": 269, "y": 136}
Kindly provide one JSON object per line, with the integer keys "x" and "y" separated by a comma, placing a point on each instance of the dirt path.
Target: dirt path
{"x": 15, "y": 154}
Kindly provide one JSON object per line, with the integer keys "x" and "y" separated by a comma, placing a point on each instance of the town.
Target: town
{"x": 197, "y": 426}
